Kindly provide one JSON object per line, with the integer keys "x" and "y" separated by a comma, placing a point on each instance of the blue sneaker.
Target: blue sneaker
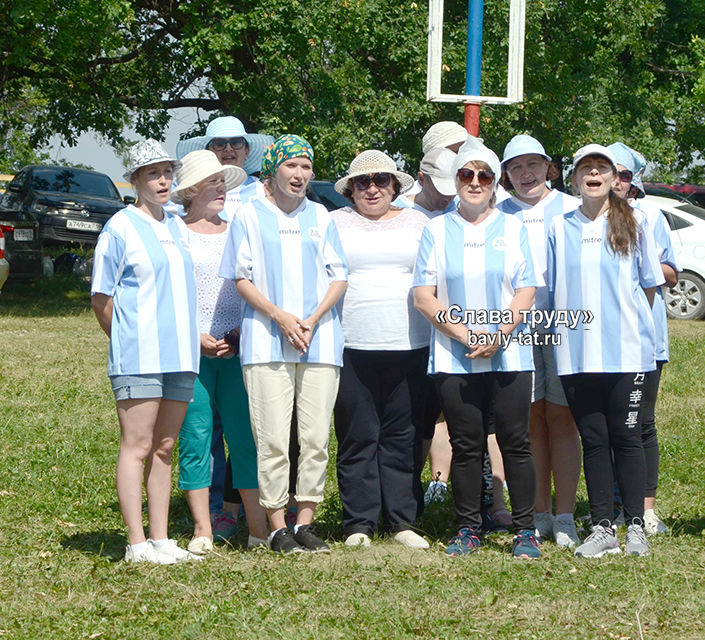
{"x": 466, "y": 541}
{"x": 526, "y": 545}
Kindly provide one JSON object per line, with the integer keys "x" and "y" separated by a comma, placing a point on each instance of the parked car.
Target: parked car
{"x": 686, "y": 300}
{"x": 4, "y": 265}
{"x": 324, "y": 192}
{"x": 692, "y": 192}
{"x": 71, "y": 205}
{"x": 23, "y": 247}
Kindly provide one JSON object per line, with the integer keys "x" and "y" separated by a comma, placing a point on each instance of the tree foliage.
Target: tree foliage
{"x": 351, "y": 74}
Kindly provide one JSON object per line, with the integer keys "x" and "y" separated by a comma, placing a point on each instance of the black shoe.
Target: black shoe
{"x": 307, "y": 538}
{"x": 283, "y": 542}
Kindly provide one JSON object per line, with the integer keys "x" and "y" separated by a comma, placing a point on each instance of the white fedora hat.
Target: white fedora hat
{"x": 229, "y": 127}
{"x": 373, "y": 161}
{"x": 202, "y": 164}
{"x": 145, "y": 153}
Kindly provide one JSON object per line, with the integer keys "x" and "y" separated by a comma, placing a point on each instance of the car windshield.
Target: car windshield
{"x": 65, "y": 180}
{"x": 692, "y": 209}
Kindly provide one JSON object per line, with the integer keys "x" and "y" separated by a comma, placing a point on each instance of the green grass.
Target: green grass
{"x": 61, "y": 535}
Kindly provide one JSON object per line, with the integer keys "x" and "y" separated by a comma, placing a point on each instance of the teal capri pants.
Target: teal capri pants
{"x": 219, "y": 387}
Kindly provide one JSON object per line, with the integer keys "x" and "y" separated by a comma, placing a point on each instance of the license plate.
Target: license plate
{"x": 82, "y": 225}
{"x": 23, "y": 235}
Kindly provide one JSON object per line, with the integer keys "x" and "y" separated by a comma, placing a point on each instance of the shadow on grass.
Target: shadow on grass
{"x": 690, "y": 527}
{"x": 59, "y": 295}
{"x": 108, "y": 544}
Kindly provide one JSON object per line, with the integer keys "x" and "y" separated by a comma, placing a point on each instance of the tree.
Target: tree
{"x": 351, "y": 74}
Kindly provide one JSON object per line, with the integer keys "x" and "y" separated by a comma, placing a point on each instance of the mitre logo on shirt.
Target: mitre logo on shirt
{"x": 594, "y": 240}
{"x": 499, "y": 244}
{"x": 289, "y": 232}
{"x": 474, "y": 245}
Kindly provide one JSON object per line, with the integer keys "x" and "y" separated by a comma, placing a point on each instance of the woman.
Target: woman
{"x": 144, "y": 296}
{"x": 473, "y": 261}
{"x": 602, "y": 266}
{"x": 630, "y": 167}
{"x": 203, "y": 183}
{"x": 284, "y": 253}
{"x": 379, "y": 410}
{"x": 555, "y": 443}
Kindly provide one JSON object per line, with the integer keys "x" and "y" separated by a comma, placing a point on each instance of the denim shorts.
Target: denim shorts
{"x": 177, "y": 385}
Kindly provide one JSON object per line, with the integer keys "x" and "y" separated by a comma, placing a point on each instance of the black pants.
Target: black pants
{"x": 649, "y": 437}
{"x": 468, "y": 401}
{"x": 606, "y": 407}
{"x": 379, "y": 426}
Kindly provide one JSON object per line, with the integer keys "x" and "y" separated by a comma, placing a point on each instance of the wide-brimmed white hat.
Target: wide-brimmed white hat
{"x": 202, "y": 164}
{"x": 373, "y": 161}
{"x": 229, "y": 127}
{"x": 437, "y": 164}
{"x": 443, "y": 134}
{"x": 143, "y": 154}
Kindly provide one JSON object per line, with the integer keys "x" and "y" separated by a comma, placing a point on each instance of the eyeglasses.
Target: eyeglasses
{"x": 625, "y": 176}
{"x": 466, "y": 176}
{"x": 381, "y": 180}
{"x": 219, "y": 144}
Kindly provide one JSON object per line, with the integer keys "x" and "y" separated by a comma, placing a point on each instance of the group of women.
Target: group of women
{"x": 381, "y": 317}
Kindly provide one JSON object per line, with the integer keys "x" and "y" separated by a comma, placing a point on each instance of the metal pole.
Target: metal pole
{"x": 473, "y": 64}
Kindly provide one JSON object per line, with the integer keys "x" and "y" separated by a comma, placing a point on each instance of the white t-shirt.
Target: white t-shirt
{"x": 377, "y": 309}
{"x": 145, "y": 265}
{"x": 291, "y": 258}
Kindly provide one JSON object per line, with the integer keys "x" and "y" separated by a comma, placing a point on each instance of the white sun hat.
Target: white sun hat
{"x": 437, "y": 164}
{"x": 199, "y": 165}
{"x": 144, "y": 153}
{"x": 473, "y": 151}
{"x": 443, "y": 134}
{"x": 594, "y": 150}
{"x": 373, "y": 161}
{"x": 229, "y": 127}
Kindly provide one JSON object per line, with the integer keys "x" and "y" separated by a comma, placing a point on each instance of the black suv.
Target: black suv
{"x": 71, "y": 205}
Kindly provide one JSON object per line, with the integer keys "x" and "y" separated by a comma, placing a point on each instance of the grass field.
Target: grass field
{"x": 61, "y": 535}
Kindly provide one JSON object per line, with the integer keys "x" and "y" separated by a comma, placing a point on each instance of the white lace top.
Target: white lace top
{"x": 218, "y": 301}
{"x": 377, "y": 308}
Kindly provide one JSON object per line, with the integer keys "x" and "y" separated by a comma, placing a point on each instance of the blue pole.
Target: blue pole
{"x": 473, "y": 62}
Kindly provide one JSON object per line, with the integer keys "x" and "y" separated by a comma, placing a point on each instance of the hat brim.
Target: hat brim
{"x": 444, "y": 186}
{"x": 176, "y": 165}
{"x": 234, "y": 177}
{"x": 258, "y": 143}
{"x": 405, "y": 180}
{"x": 525, "y": 153}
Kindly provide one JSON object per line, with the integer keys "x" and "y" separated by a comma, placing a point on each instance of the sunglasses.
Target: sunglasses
{"x": 466, "y": 176}
{"x": 219, "y": 144}
{"x": 625, "y": 176}
{"x": 381, "y": 180}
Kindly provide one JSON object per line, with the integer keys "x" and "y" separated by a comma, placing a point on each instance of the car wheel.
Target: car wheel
{"x": 686, "y": 301}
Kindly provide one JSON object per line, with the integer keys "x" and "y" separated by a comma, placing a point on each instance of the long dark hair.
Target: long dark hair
{"x": 621, "y": 226}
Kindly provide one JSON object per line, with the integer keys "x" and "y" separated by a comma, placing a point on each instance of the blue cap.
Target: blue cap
{"x": 632, "y": 160}
{"x": 522, "y": 145}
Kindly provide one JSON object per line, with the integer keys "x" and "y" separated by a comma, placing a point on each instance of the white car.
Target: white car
{"x": 686, "y": 300}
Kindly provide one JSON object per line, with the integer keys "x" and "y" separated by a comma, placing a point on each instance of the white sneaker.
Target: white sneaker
{"x": 201, "y": 545}
{"x": 653, "y": 525}
{"x": 565, "y": 533}
{"x": 411, "y": 539}
{"x": 171, "y": 550}
{"x": 146, "y": 554}
{"x": 544, "y": 526}
{"x": 636, "y": 540}
{"x": 358, "y": 540}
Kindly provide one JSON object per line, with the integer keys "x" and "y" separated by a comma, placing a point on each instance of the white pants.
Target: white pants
{"x": 272, "y": 389}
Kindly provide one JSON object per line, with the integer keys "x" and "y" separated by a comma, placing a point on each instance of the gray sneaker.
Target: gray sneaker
{"x": 565, "y": 533}
{"x": 636, "y": 540}
{"x": 602, "y": 540}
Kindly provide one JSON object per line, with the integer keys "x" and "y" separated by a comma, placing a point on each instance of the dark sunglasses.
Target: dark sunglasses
{"x": 625, "y": 176}
{"x": 466, "y": 176}
{"x": 218, "y": 144}
{"x": 381, "y": 180}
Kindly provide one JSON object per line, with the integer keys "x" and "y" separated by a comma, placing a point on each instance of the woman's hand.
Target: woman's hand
{"x": 486, "y": 346}
{"x": 292, "y": 329}
{"x": 209, "y": 345}
{"x": 307, "y": 327}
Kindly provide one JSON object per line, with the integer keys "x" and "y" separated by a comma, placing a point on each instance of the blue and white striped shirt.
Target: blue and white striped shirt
{"x": 292, "y": 260}
{"x": 478, "y": 268}
{"x": 666, "y": 254}
{"x": 586, "y": 275}
{"x": 145, "y": 265}
{"x": 537, "y": 220}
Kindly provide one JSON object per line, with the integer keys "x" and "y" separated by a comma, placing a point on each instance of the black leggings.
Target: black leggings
{"x": 467, "y": 401}
{"x": 649, "y": 437}
{"x": 606, "y": 407}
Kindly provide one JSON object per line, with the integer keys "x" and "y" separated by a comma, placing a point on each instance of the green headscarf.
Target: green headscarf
{"x": 282, "y": 149}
